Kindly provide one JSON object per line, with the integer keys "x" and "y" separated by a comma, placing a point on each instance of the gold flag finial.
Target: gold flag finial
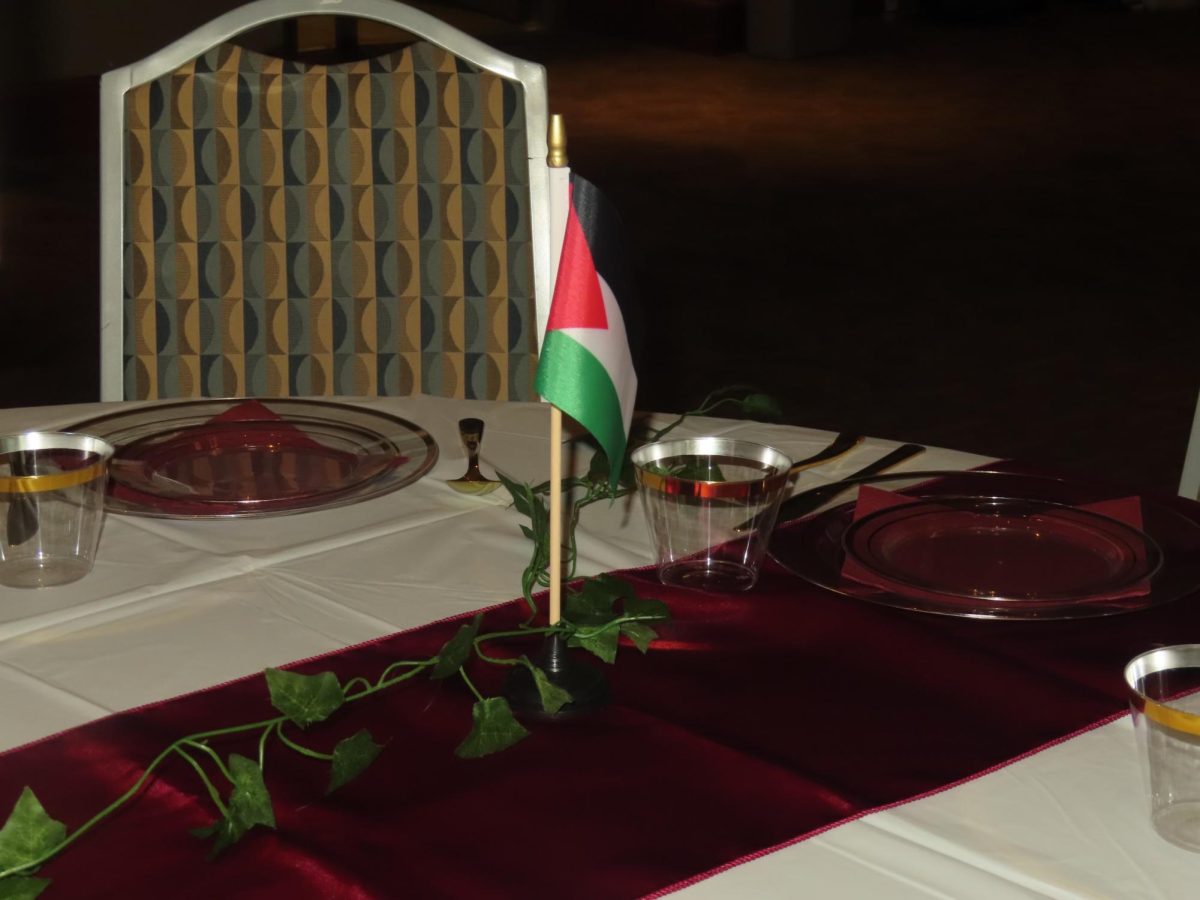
{"x": 557, "y": 157}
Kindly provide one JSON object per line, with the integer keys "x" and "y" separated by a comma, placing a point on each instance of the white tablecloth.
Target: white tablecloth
{"x": 177, "y": 605}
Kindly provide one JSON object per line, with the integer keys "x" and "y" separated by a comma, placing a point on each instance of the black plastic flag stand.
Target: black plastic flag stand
{"x": 585, "y": 683}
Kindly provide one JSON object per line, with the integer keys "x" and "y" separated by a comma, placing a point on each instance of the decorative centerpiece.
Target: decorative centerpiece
{"x": 596, "y": 614}
{"x": 584, "y": 370}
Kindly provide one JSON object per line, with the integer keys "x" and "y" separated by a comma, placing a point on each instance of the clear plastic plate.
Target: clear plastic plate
{"x": 1120, "y": 581}
{"x": 239, "y": 457}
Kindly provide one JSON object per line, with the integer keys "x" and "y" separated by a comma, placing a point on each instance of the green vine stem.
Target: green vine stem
{"x": 470, "y": 684}
{"x": 467, "y": 640}
{"x": 596, "y": 616}
{"x": 596, "y": 486}
{"x": 134, "y": 789}
{"x": 197, "y": 741}
{"x": 300, "y": 748}
{"x": 501, "y": 635}
{"x": 199, "y": 769}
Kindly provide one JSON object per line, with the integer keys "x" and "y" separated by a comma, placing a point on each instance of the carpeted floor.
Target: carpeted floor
{"x": 977, "y": 235}
{"x": 981, "y": 235}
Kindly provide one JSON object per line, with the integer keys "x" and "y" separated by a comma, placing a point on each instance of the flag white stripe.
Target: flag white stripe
{"x": 611, "y": 347}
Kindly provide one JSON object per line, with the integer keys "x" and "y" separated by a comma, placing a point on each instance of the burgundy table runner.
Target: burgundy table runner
{"x": 756, "y": 719}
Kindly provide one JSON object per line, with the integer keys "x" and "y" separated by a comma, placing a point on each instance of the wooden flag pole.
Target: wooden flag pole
{"x": 584, "y": 683}
{"x": 556, "y": 158}
{"x": 556, "y": 516}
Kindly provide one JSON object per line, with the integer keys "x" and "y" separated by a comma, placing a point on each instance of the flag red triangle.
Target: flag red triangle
{"x": 577, "y": 301}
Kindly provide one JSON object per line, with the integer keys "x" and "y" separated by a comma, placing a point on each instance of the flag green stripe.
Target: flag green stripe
{"x": 574, "y": 380}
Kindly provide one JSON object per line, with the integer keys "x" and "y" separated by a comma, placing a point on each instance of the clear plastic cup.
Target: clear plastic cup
{"x": 711, "y": 503}
{"x": 51, "y": 506}
{"x": 1164, "y": 694}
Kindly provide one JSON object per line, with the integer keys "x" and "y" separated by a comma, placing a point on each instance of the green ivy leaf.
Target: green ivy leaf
{"x": 522, "y": 495}
{"x": 249, "y": 801}
{"x": 628, "y": 477}
{"x": 304, "y": 699}
{"x": 351, "y": 757}
{"x": 22, "y": 887}
{"x": 762, "y": 407}
{"x": 457, "y": 650}
{"x": 249, "y": 804}
{"x": 528, "y": 502}
{"x": 618, "y": 587}
{"x": 539, "y": 515}
{"x": 640, "y": 429}
{"x": 640, "y": 634}
{"x": 29, "y": 832}
{"x": 495, "y": 729}
{"x": 602, "y": 643}
{"x": 222, "y": 831}
{"x": 552, "y": 696}
{"x": 598, "y": 468}
{"x": 528, "y": 583}
{"x": 691, "y": 469}
{"x": 646, "y": 610}
{"x": 592, "y": 604}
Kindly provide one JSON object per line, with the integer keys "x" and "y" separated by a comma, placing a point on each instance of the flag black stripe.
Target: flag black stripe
{"x": 605, "y": 235}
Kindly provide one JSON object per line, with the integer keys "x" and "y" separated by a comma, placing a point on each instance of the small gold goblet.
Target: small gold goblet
{"x": 473, "y": 481}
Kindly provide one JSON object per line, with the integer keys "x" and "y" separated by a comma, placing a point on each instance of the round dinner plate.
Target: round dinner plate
{"x": 998, "y": 544}
{"x": 256, "y": 457}
{"x": 1001, "y": 550}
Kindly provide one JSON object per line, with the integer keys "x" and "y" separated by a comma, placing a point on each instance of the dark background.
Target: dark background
{"x": 968, "y": 224}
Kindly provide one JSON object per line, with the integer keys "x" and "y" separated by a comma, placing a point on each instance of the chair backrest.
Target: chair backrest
{"x": 1189, "y": 481}
{"x": 275, "y": 228}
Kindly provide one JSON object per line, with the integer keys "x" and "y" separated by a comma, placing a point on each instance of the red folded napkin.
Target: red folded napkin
{"x": 247, "y": 457}
{"x": 1126, "y": 510}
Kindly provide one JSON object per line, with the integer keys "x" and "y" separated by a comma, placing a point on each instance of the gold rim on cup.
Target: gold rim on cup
{"x": 1180, "y": 656}
{"x": 56, "y": 481}
{"x": 729, "y": 451}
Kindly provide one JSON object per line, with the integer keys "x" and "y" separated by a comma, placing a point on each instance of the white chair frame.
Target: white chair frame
{"x": 115, "y": 84}
{"x": 1189, "y": 481}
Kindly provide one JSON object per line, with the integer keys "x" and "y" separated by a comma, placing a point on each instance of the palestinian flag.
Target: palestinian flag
{"x": 585, "y": 368}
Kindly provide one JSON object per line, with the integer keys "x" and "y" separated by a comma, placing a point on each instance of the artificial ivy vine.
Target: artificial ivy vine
{"x": 596, "y": 615}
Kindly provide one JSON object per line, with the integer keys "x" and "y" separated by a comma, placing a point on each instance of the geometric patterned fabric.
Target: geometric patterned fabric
{"x": 352, "y": 229}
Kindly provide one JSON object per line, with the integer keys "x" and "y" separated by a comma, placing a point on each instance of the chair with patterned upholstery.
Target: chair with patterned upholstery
{"x": 272, "y": 227}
